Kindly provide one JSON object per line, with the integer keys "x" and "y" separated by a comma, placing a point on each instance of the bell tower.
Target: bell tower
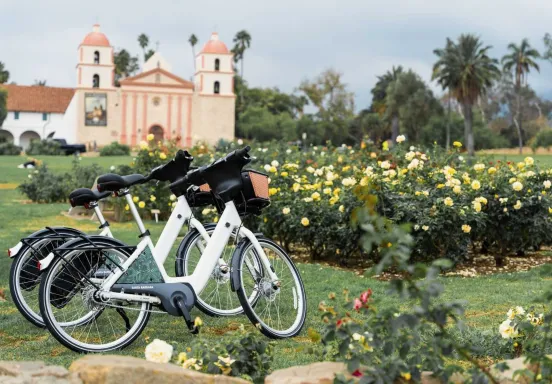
{"x": 95, "y": 68}
{"x": 214, "y": 74}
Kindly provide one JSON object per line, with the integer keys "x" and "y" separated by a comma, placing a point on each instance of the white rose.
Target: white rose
{"x": 288, "y": 151}
{"x": 547, "y": 184}
{"x": 507, "y": 331}
{"x": 274, "y": 163}
{"x": 267, "y": 168}
{"x": 401, "y": 138}
{"x": 159, "y": 351}
{"x": 240, "y": 142}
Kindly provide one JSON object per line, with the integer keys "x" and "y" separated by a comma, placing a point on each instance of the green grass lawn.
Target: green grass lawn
{"x": 489, "y": 297}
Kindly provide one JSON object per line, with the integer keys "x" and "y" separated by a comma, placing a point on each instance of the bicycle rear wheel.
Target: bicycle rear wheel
{"x": 25, "y": 274}
{"x": 280, "y": 307}
{"x": 74, "y": 315}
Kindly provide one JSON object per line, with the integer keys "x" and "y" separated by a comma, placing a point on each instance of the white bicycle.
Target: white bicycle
{"x": 31, "y": 252}
{"x": 90, "y": 314}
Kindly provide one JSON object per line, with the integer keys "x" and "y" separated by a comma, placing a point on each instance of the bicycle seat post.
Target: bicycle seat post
{"x": 133, "y": 211}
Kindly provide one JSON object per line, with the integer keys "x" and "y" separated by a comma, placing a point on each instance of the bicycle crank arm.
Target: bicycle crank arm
{"x": 163, "y": 294}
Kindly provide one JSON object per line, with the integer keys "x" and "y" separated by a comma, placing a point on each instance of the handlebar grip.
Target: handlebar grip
{"x": 242, "y": 152}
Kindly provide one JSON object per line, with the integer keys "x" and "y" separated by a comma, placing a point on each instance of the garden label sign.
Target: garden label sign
{"x": 95, "y": 109}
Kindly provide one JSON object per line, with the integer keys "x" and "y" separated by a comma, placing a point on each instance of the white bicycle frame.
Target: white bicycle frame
{"x": 229, "y": 222}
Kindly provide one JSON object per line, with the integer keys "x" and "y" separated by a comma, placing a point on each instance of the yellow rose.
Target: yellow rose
{"x": 466, "y": 228}
{"x": 334, "y": 199}
{"x": 127, "y": 207}
{"x": 457, "y": 189}
{"x": 150, "y": 137}
{"x": 135, "y": 199}
{"x": 457, "y": 144}
{"x": 141, "y": 204}
{"x": 448, "y": 202}
{"x": 517, "y": 186}
{"x": 327, "y": 191}
{"x": 341, "y": 208}
{"x": 315, "y": 196}
{"x": 162, "y": 156}
{"x": 475, "y": 185}
{"x": 152, "y": 198}
{"x": 143, "y": 145}
{"x": 296, "y": 187}
{"x": 305, "y": 222}
{"x": 491, "y": 170}
{"x": 284, "y": 174}
{"x": 272, "y": 191}
{"x": 406, "y": 375}
{"x": 476, "y": 206}
{"x": 529, "y": 161}
{"x": 518, "y": 205}
{"x": 286, "y": 211}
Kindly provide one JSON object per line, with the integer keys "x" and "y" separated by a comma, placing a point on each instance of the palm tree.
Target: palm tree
{"x": 143, "y": 40}
{"x": 467, "y": 71}
{"x": 520, "y": 60}
{"x": 242, "y": 41}
{"x": 193, "y": 41}
{"x": 379, "y": 93}
{"x": 4, "y": 74}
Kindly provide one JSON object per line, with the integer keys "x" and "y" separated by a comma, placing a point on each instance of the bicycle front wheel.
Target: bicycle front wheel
{"x": 72, "y": 311}
{"x": 280, "y": 307}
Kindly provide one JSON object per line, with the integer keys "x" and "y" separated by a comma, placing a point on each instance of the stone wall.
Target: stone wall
{"x": 114, "y": 369}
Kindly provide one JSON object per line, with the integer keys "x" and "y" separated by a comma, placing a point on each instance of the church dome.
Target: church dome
{"x": 96, "y": 38}
{"x": 214, "y": 45}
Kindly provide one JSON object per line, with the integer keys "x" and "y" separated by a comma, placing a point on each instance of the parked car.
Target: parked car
{"x": 70, "y": 149}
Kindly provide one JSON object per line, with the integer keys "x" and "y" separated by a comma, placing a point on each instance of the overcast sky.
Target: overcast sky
{"x": 291, "y": 39}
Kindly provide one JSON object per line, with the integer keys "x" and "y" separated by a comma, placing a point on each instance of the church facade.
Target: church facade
{"x": 156, "y": 101}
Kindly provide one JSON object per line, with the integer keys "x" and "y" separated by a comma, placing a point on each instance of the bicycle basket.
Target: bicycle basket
{"x": 255, "y": 196}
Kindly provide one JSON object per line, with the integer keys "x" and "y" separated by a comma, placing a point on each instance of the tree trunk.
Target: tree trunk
{"x": 395, "y": 127}
{"x": 468, "y": 130}
{"x": 517, "y": 120}
{"x": 448, "y": 124}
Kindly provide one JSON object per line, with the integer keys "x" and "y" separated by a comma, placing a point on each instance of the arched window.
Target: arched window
{"x": 217, "y": 64}
{"x": 96, "y": 57}
{"x": 217, "y": 87}
{"x": 96, "y": 81}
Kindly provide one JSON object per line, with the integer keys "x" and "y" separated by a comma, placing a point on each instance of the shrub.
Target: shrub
{"x": 9, "y": 149}
{"x": 115, "y": 149}
{"x": 240, "y": 353}
{"x": 44, "y": 147}
{"x": 542, "y": 139}
{"x": 45, "y": 186}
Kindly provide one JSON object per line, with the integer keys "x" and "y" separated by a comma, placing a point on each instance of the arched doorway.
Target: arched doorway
{"x": 26, "y": 137}
{"x": 6, "y": 136}
{"x": 157, "y": 132}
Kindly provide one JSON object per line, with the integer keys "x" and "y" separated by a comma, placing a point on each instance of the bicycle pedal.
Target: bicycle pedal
{"x": 181, "y": 305}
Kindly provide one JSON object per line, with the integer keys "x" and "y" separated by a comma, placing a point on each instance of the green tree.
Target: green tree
{"x": 465, "y": 68}
{"x": 3, "y": 105}
{"x": 409, "y": 100}
{"x": 193, "y": 41}
{"x": 40, "y": 83}
{"x": 334, "y": 103}
{"x": 379, "y": 95}
{"x": 4, "y": 74}
{"x": 143, "y": 41}
{"x": 125, "y": 65}
{"x": 242, "y": 41}
{"x": 520, "y": 60}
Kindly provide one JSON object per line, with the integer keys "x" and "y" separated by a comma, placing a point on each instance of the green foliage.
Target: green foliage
{"x": 395, "y": 344}
{"x": 4, "y": 77}
{"x": 44, "y": 147}
{"x": 543, "y": 139}
{"x": 115, "y": 149}
{"x": 260, "y": 124}
{"x": 9, "y": 149}
{"x": 125, "y": 65}
{"x": 240, "y": 353}
{"x": 45, "y": 186}
{"x": 3, "y": 105}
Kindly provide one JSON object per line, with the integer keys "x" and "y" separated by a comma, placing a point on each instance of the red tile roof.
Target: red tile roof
{"x": 34, "y": 98}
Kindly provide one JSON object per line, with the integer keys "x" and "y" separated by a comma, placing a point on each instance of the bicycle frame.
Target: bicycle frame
{"x": 229, "y": 222}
